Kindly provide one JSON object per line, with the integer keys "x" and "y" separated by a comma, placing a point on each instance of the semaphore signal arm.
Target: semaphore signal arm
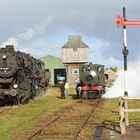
{"x": 121, "y": 21}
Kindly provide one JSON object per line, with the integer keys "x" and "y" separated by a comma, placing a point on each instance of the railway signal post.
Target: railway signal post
{"x": 120, "y": 20}
{"x": 125, "y": 53}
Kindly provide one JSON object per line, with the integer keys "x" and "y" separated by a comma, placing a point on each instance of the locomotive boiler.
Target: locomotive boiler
{"x": 92, "y": 80}
{"x": 21, "y": 76}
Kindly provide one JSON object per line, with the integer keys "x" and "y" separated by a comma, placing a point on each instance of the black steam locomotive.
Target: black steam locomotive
{"x": 21, "y": 76}
{"x": 92, "y": 81}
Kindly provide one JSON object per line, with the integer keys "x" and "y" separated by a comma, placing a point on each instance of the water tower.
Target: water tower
{"x": 74, "y": 54}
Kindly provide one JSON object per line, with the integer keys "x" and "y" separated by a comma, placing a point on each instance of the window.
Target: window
{"x": 75, "y": 71}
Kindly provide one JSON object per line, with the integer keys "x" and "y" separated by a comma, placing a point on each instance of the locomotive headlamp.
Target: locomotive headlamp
{"x": 93, "y": 73}
{"x": 4, "y": 57}
{"x": 83, "y": 69}
{"x": 89, "y": 68}
{"x": 15, "y": 85}
{"x": 99, "y": 69}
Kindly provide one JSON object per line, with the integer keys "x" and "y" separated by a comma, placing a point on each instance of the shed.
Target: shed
{"x": 56, "y": 68}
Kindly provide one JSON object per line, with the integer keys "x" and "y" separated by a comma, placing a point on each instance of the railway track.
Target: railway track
{"x": 68, "y": 123}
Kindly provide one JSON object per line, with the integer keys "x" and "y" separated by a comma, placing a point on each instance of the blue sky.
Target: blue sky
{"x": 42, "y": 27}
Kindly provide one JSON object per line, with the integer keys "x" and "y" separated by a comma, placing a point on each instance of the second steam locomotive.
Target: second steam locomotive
{"x": 21, "y": 76}
{"x": 92, "y": 80}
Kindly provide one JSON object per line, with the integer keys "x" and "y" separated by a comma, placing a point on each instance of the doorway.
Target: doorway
{"x": 59, "y": 74}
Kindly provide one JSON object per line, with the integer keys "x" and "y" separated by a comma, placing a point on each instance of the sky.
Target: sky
{"x": 42, "y": 27}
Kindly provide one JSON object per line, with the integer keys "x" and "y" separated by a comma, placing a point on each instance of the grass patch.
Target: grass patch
{"x": 108, "y": 112}
{"x": 24, "y": 116}
{"x": 134, "y": 118}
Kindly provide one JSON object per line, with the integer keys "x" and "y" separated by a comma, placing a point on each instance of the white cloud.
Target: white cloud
{"x": 26, "y": 50}
{"x": 36, "y": 30}
{"x": 27, "y": 24}
{"x": 29, "y": 34}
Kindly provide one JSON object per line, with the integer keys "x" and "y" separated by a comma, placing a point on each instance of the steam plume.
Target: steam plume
{"x": 133, "y": 83}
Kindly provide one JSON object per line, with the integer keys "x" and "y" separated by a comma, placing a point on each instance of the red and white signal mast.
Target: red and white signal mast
{"x": 120, "y": 20}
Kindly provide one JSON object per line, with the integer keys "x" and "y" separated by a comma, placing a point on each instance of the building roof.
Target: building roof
{"x": 52, "y": 62}
{"x": 75, "y": 42}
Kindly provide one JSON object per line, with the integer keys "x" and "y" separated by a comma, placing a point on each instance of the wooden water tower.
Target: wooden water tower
{"x": 74, "y": 54}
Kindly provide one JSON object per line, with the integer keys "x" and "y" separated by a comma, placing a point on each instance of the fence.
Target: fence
{"x": 123, "y": 107}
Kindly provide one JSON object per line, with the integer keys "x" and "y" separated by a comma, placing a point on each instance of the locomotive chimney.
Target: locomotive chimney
{"x": 2, "y": 49}
{"x": 10, "y": 47}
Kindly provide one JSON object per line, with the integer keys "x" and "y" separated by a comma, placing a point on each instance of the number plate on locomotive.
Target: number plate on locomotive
{"x": 5, "y": 69}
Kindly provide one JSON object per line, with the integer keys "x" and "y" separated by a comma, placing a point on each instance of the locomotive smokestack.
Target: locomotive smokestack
{"x": 10, "y": 47}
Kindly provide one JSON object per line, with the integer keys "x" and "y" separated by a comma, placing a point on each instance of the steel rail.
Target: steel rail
{"x": 84, "y": 122}
{"x": 50, "y": 122}
{"x": 76, "y": 131}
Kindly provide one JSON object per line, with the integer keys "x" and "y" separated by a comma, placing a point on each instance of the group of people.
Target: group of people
{"x": 64, "y": 88}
